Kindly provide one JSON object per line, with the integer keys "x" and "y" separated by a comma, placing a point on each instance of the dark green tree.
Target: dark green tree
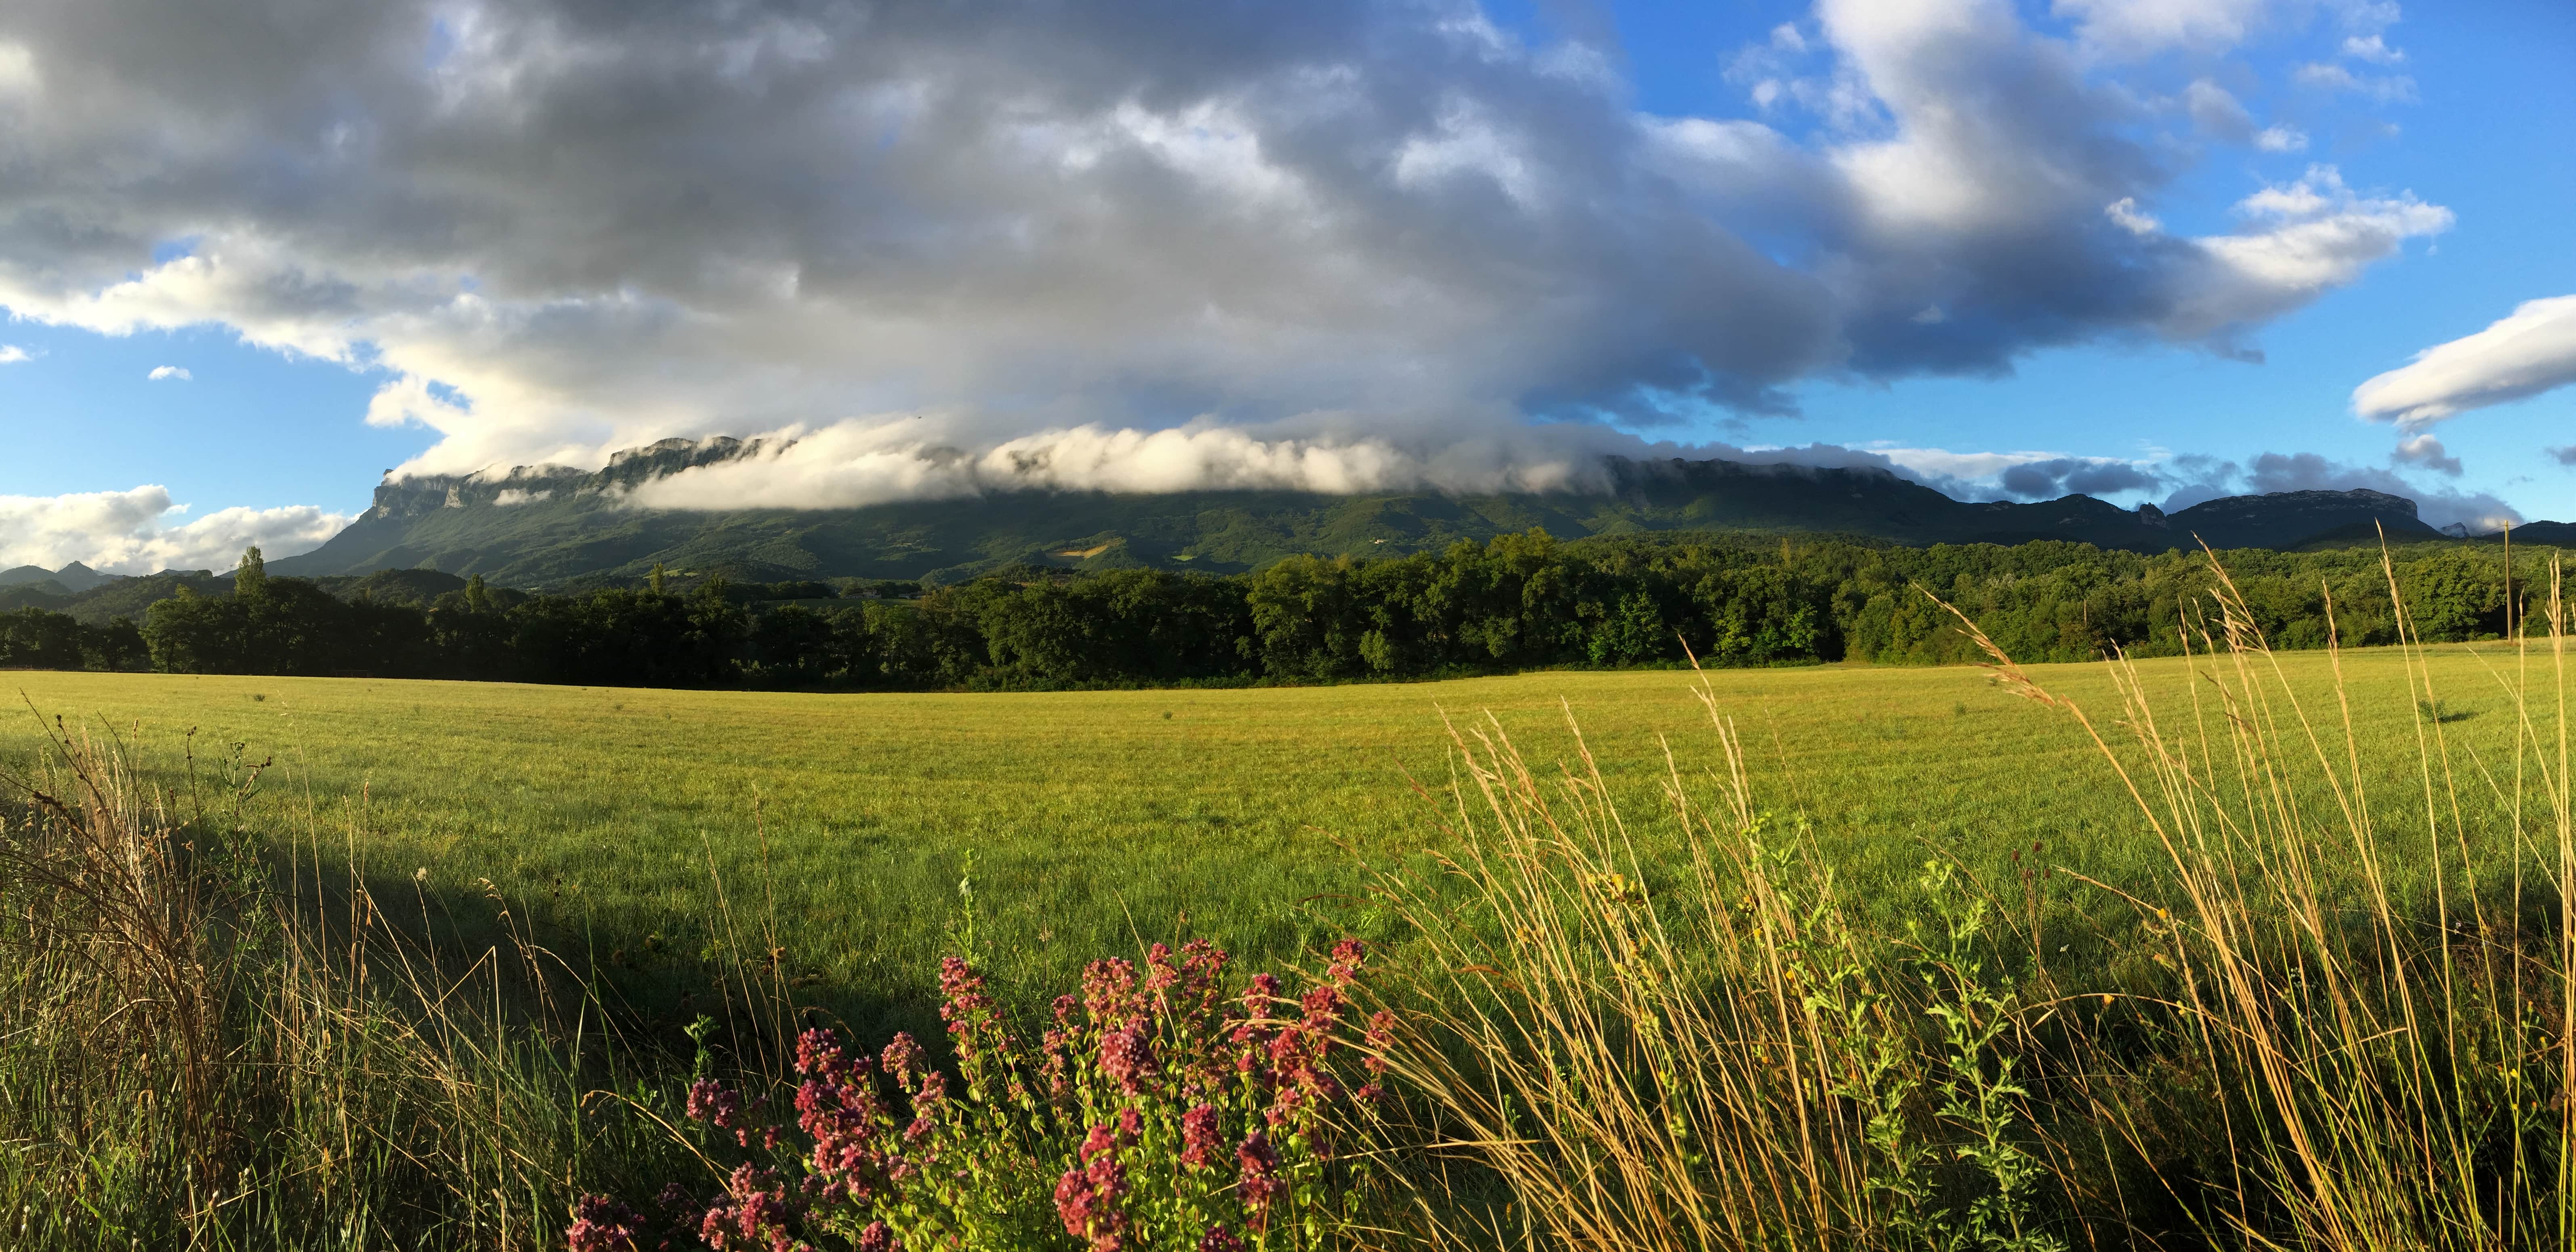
{"x": 34, "y": 638}
{"x": 117, "y": 646}
{"x": 250, "y": 578}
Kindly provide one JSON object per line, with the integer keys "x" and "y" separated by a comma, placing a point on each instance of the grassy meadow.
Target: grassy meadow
{"x": 840, "y": 826}
{"x": 1922, "y": 964}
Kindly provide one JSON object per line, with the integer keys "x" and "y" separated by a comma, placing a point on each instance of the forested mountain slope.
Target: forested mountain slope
{"x": 551, "y": 527}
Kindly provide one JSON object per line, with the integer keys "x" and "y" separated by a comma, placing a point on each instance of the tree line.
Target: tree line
{"x": 1517, "y": 602}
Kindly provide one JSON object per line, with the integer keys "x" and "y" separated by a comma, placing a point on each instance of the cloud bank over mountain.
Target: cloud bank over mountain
{"x": 865, "y": 462}
{"x": 1178, "y": 243}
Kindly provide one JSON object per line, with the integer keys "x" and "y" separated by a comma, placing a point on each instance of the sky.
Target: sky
{"x": 257, "y": 254}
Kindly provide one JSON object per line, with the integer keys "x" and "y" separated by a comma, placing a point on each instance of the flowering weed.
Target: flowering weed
{"x": 1154, "y": 1111}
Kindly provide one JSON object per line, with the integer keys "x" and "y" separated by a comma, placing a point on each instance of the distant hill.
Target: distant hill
{"x": 72, "y": 578}
{"x": 554, "y": 527}
{"x": 2538, "y": 535}
{"x": 114, "y": 597}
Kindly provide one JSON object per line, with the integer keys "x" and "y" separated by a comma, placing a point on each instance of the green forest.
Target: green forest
{"x": 1517, "y": 602}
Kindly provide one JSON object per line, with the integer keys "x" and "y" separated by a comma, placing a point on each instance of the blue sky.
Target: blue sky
{"x": 2487, "y": 137}
{"x": 502, "y": 331}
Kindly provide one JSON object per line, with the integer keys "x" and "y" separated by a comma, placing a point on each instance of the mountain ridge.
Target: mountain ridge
{"x": 72, "y": 579}
{"x": 553, "y": 526}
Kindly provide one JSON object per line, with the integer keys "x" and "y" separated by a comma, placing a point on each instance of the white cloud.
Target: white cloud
{"x": 2302, "y": 239}
{"x": 2368, "y": 17}
{"x": 2425, "y": 452}
{"x": 2531, "y": 351}
{"x": 2133, "y": 28}
{"x": 2124, "y": 211}
{"x": 900, "y": 457}
{"x": 141, "y": 531}
{"x": 11, "y": 354}
{"x": 162, "y": 372}
{"x": 2325, "y": 76}
{"x": 876, "y": 460}
{"x": 18, "y": 76}
{"x": 2372, "y": 48}
{"x": 1965, "y": 467}
{"x": 2282, "y": 139}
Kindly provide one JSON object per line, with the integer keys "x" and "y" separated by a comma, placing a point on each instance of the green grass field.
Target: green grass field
{"x": 1100, "y": 819}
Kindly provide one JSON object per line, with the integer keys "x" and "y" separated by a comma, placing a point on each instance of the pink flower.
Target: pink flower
{"x": 760, "y": 1211}
{"x": 1165, "y": 1039}
{"x": 711, "y": 1101}
{"x": 1200, "y": 1137}
{"x": 902, "y": 1057}
{"x": 1379, "y": 1037}
{"x": 1348, "y": 957}
{"x": 1109, "y": 992}
{"x": 715, "y": 1230}
{"x": 818, "y": 1055}
{"x": 1128, "y": 1059}
{"x": 974, "y": 1024}
{"x": 1053, "y": 1067}
{"x": 600, "y": 1224}
{"x": 1087, "y": 1197}
{"x": 1261, "y": 1186}
{"x": 1258, "y": 997}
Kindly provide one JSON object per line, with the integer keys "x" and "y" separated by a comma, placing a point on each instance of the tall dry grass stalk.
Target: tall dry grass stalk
{"x": 1691, "y": 1037}
{"x": 111, "y": 1007}
{"x": 207, "y": 1040}
{"x": 2396, "y": 1060}
{"x": 1713, "y": 1054}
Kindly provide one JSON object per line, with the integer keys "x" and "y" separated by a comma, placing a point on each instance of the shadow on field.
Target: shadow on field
{"x": 669, "y": 986}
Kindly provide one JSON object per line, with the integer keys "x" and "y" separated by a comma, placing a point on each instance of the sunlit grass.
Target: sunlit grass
{"x": 1098, "y": 818}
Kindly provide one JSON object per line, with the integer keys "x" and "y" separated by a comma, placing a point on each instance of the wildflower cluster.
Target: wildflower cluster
{"x": 1155, "y": 1111}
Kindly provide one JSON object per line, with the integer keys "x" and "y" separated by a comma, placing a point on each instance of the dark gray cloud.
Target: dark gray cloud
{"x": 2047, "y": 480}
{"x": 570, "y": 225}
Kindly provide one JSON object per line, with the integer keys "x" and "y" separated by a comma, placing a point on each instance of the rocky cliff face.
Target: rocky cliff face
{"x": 2318, "y": 504}
{"x": 2287, "y": 517}
{"x": 425, "y": 494}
